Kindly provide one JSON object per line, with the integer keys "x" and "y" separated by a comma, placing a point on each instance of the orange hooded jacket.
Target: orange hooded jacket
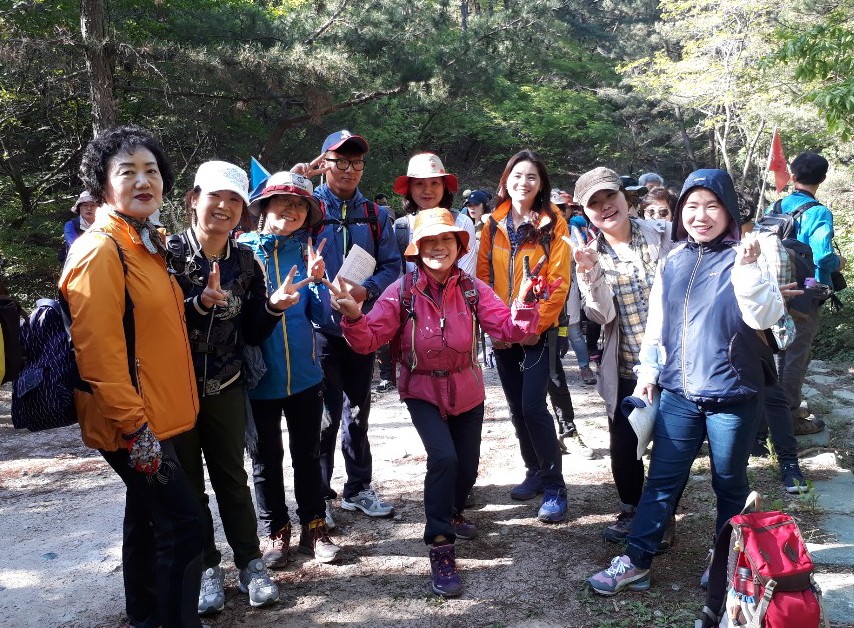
{"x": 93, "y": 284}
{"x": 557, "y": 265}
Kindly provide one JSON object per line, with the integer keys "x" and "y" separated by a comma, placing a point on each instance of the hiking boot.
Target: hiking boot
{"x": 622, "y": 574}
{"x": 463, "y": 528}
{"x": 577, "y": 447}
{"x": 255, "y": 581}
{"x": 211, "y": 593}
{"x": 445, "y": 580}
{"x": 760, "y": 448}
{"x": 330, "y": 522}
{"x": 793, "y": 479}
{"x": 619, "y": 530}
{"x": 384, "y": 386}
{"x": 669, "y": 537}
{"x": 553, "y": 508}
{"x": 530, "y": 487}
{"x": 801, "y": 412}
{"x": 566, "y": 428}
{"x": 704, "y": 579}
{"x": 275, "y": 548}
{"x": 369, "y": 503}
{"x": 587, "y": 375}
{"x": 470, "y": 500}
{"x": 807, "y": 426}
{"x": 562, "y": 446}
{"x": 314, "y": 541}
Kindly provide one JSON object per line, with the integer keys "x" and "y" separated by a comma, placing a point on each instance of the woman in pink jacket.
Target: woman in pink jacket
{"x": 434, "y": 312}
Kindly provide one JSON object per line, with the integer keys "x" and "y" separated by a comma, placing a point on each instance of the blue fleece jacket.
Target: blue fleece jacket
{"x": 289, "y": 352}
{"x": 340, "y": 238}
{"x": 815, "y": 229}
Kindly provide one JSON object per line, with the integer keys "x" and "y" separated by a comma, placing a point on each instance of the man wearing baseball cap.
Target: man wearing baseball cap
{"x": 351, "y": 219}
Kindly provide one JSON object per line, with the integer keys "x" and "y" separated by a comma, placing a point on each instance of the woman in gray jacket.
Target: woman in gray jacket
{"x": 615, "y": 271}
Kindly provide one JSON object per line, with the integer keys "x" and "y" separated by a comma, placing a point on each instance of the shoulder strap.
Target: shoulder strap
{"x": 493, "y": 228}
{"x": 246, "y": 260}
{"x": 407, "y": 311}
{"x": 802, "y": 208}
{"x": 467, "y": 285}
{"x": 372, "y": 211}
{"x": 128, "y": 322}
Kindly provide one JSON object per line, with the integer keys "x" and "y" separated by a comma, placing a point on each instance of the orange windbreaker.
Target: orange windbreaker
{"x": 557, "y": 265}
{"x": 93, "y": 284}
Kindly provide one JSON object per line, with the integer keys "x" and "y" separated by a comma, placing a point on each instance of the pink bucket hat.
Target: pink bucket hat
{"x": 425, "y": 166}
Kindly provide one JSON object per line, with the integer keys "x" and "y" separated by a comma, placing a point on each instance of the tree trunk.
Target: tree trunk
{"x": 686, "y": 139}
{"x": 98, "y": 64}
{"x": 464, "y": 15}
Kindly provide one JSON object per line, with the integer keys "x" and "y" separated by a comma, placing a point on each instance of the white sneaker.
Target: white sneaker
{"x": 330, "y": 522}
{"x": 369, "y": 503}
{"x": 211, "y": 593}
{"x": 255, "y": 581}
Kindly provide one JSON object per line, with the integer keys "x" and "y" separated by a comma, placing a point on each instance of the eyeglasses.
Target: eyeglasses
{"x": 283, "y": 202}
{"x": 660, "y": 212}
{"x": 343, "y": 164}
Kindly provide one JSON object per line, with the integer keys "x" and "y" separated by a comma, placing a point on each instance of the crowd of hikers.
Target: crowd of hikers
{"x": 274, "y": 301}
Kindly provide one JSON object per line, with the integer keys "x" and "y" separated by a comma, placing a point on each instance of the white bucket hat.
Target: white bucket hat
{"x": 214, "y": 176}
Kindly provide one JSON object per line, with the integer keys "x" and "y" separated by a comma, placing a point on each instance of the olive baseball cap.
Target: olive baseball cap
{"x": 593, "y": 181}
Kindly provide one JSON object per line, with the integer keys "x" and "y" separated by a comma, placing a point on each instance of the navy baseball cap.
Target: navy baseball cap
{"x": 340, "y": 138}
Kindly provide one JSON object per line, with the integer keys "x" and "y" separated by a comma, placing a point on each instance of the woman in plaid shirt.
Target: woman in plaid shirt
{"x": 615, "y": 271}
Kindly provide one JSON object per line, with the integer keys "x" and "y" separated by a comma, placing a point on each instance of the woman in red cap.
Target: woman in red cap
{"x": 431, "y": 314}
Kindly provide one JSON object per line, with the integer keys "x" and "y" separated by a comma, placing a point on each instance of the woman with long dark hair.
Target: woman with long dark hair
{"x": 524, "y": 225}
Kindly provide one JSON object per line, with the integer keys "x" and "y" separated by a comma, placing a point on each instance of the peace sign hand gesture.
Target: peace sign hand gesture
{"x": 584, "y": 253}
{"x": 314, "y": 263}
{"x": 288, "y": 293}
{"x": 342, "y": 301}
{"x": 213, "y": 294}
{"x": 316, "y": 167}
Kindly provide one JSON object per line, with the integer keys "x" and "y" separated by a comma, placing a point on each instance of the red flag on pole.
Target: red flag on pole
{"x": 777, "y": 163}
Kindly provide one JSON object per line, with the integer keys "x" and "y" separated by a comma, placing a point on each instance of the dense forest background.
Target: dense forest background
{"x": 637, "y": 85}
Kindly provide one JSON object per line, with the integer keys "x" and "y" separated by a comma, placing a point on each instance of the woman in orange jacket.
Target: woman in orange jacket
{"x": 142, "y": 388}
{"x": 526, "y": 225}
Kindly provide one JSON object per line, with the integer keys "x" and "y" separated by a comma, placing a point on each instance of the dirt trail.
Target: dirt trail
{"x": 61, "y": 511}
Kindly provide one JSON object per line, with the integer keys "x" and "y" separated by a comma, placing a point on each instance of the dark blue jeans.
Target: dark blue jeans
{"x": 163, "y": 538}
{"x": 679, "y": 432}
{"x": 524, "y": 374}
{"x": 347, "y": 403}
{"x": 453, "y": 457}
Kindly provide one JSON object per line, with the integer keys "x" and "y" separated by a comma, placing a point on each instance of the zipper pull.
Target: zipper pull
{"x": 442, "y": 324}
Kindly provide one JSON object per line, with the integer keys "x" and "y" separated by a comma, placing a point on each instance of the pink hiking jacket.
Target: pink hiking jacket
{"x": 444, "y": 372}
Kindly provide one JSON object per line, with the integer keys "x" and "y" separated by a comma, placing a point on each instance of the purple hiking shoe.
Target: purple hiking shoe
{"x": 445, "y": 580}
{"x": 622, "y": 574}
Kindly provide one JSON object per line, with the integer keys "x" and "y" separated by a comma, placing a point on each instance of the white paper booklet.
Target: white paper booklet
{"x": 357, "y": 266}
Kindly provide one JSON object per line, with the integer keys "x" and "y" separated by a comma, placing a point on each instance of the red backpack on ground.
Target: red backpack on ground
{"x": 762, "y": 574}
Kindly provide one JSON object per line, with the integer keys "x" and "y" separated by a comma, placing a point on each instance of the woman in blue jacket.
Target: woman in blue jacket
{"x": 701, "y": 347}
{"x": 293, "y": 383}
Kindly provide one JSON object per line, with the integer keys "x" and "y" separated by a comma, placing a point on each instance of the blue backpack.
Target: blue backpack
{"x": 43, "y": 393}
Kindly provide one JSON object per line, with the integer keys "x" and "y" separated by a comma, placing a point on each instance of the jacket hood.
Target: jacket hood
{"x": 720, "y": 184}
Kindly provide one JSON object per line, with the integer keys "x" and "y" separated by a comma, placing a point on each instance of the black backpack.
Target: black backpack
{"x": 785, "y": 226}
{"x": 43, "y": 393}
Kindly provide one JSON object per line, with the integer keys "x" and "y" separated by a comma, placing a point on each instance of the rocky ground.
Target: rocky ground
{"x": 61, "y": 510}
